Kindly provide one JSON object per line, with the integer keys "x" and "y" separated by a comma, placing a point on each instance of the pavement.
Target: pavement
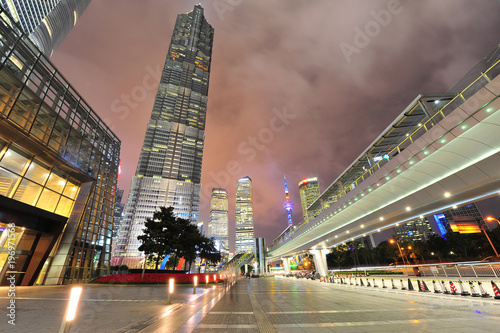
{"x": 273, "y": 304}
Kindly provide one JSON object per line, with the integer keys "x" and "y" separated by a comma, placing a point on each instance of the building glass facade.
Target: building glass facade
{"x": 465, "y": 219}
{"x": 169, "y": 168}
{"x": 46, "y": 22}
{"x": 218, "y": 223}
{"x": 244, "y": 215}
{"x": 309, "y": 192}
{"x": 58, "y": 169}
{"x": 416, "y": 230}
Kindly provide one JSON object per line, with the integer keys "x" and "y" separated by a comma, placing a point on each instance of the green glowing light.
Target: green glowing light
{"x": 489, "y": 110}
{"x": 464, "y": 127}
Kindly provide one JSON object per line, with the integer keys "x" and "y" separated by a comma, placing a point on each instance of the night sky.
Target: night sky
{"x": 297, "y": 87}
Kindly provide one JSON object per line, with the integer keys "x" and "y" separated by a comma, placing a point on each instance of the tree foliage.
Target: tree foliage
{"x": 454, "y": 247}
{"x": 166, "y": 234}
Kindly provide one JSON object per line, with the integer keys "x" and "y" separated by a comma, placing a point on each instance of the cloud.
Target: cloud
{"x": 271, "y": 55}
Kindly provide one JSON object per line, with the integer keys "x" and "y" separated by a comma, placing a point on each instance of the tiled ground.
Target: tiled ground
{"x": 290, "y": 305}
{"x": 285, "y": 305}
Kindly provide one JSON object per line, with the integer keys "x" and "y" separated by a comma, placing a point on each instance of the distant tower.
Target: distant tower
{"x": 288, "y": 205}
{"x": 244, "y": 215}
{"x": 218, "y": 223}
{"x": 309, "y": 192}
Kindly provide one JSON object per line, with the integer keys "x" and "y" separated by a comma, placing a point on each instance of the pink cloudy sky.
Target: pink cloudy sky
{"x": 304, "y": 59}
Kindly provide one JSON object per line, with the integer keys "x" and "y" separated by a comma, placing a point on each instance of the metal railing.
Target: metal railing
{"x": 457, "y": 269}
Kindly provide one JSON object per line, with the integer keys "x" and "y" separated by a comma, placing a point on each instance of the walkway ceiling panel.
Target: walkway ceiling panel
{"x": 489, "y": 168}
{"x": 451, "y": 158}
{"x": 472, "y": 175}
{"x": 470, "y": 149}
{"x": 452, "y": 183}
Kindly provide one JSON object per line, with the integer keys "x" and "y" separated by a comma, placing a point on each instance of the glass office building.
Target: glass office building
{"x": 244, "y": 215}
{"x": 47, "y": 22}
{"x": 218, "y": 223}
{"x": 58, "y": 170}
{"x": 309, "y": 192}
{"x": 169, "y": 168}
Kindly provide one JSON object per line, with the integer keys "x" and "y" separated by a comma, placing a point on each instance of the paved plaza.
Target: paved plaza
{"x": 271, "y": 304}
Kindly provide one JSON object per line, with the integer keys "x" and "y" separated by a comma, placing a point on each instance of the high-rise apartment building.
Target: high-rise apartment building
{"x": 58, "y": 171}
{"x": 244, "y": 215}
{"x": 309, "y": 191}
{"x": 416, "y": 230}
{"x": 218, "y": 223}
{"x": 47, "y": 22}
{"x": 169, "y": 168}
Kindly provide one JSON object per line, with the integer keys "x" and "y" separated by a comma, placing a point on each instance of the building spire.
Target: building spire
{"x": 288, "y": 205}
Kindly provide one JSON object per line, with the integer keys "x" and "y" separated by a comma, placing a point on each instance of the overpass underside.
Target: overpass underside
{"x": 448, "y": 156}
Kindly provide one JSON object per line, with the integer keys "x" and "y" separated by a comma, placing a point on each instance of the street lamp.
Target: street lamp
{"x": 392, "y": 241}
{"x": 489, "y": 218}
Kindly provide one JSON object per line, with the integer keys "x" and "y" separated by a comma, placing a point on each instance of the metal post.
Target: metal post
{"x": 471, "y": 266}
{"x": 489, "y": 240}
{"x": 493, "y": 270}
{"x": 444, "y": 270}
{"x": 456, "y": 267}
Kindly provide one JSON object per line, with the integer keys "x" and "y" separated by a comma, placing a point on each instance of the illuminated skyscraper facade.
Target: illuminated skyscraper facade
{"x": 169, "y": 168}
{"x": 309, "y": 191}
{"x": 416, "y": 230}
{"x": 46, "y": 22}
{"x": 218, "y": 223}
{"x": 244, "y": 215}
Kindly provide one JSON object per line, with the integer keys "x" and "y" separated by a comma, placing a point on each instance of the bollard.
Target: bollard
{"x": 170, "y": 291}
{"x": 71, "y": 310}
{"x": 206, "y": 281}
{"x": 194, "y": 284}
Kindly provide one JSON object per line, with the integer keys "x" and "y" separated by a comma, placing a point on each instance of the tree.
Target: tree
{"x": 165, "y": 234}
{"x": 159, "y": 238}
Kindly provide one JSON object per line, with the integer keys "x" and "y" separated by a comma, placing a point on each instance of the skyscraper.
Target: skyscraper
{"x": 416, "y": 230}
{"x": 48, "y": 22}
{"x": 309, "y": 191}
{"x": 169, "y": 168}
{"x": 218, "y": 223}
{"x": 244, "y": 215}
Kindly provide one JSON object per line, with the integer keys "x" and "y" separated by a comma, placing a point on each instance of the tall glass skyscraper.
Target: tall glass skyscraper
{"x": 169, "y": 168}
{"x": 46, "y": 22}
{"x": 218, "y": 223}
{"x": 244, "y": 215}
{"x": 309, "y": 191}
